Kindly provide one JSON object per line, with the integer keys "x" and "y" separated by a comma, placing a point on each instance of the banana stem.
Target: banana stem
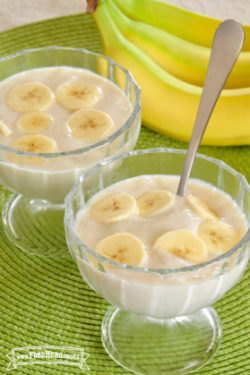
{"x": 91, "y": 5}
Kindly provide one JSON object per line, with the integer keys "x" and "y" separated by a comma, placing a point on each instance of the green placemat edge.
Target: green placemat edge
{"x": 26, "y": 298}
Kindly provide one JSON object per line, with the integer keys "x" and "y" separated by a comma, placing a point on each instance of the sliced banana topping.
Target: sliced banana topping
{"x": 4, "y": 129}
{"x": 90, "y": 124}
{"x": 200, "y": 208}
{"x": 122, "y": 248}
{"x": 30, "y": 97}
{"x": 113, "y": 208}
{"x": 184, "y": 244}
{"x": 78, "y": 95}
{"x": 34, "y": 122}
{"x": 34, "y": 143}
{"x": 217, "y": 236}
{"x": 153, "y": 202}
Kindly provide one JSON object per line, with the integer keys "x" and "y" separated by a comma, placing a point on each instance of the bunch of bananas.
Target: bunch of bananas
{"x": 167, "y": 50}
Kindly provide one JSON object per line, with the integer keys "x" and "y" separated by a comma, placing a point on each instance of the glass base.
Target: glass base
{"x": 36, "y": 226}
{"x": 173, "y": 346}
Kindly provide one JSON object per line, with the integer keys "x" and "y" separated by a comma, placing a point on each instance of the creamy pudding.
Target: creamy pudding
{"x": 166, "y": 291}
{"x": 63, "y": 90}
{"x": 156, "y": 294}
{"x": 172, "y": 231}
{"x": 56, "y": 110}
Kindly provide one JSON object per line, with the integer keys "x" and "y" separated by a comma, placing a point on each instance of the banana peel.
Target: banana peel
{"x": 187, "y": 25}
{"x": 184, "y": 60}
{"x": 169, "y": 105}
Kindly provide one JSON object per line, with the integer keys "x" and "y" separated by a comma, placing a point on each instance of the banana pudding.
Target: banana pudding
{"x": 59, "y": 109}
{"x": 141, "y": 222}
{"x": 173, "y": 276}
{"x": 66, "y": 118}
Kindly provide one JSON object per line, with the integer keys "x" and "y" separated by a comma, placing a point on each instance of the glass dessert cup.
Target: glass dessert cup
{"x": 162, "y": 320}
{"x": 33, "y": 216}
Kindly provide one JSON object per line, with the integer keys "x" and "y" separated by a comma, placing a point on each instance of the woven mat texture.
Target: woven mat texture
{"x": 45, "y": 301}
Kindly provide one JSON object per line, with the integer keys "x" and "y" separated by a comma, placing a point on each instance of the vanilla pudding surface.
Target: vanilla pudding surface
{"x": 149, "y": 229}
{"x": 112, "y": 102}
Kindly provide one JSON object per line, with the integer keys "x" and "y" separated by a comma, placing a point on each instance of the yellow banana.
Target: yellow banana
{"x": 169, "y": 105}
{"x": 187, "y": 25}
{"x": 182, "y": 59}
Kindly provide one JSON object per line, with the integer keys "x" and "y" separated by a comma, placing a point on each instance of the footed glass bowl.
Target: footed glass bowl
{"x": 33, "y": 216}
{"x": 162, "y": 323}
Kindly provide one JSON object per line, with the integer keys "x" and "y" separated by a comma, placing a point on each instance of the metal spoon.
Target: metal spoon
{"x": 228, "y": 41}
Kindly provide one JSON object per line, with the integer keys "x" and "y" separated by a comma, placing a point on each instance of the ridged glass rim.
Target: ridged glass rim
{"x": 162, "y": 272}
{"x": 106, "y": 141}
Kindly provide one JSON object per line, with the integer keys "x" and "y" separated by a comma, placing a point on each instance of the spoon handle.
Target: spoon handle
{"x": 227, "y": 44}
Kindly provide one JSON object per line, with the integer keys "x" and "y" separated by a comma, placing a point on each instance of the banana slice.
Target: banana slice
{"x": 184, "y": 244}
{"x": 153, "y": 202}
{"x": 122, "y": 248}
{"x": 4, "y": 129}
{"x": 78, "y": 95}
{"x": 200, "y": 208}
{"x": 218, "y": 237}
{"x": 90, "y": 124}
{"x": 30, "y": 97}
{"x": 34, "y": 143}
{"x": 34, "y": 122}
{"x": 113, "y": 208}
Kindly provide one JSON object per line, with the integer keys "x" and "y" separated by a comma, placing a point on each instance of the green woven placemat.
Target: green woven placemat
{"x": 45, "y": 301}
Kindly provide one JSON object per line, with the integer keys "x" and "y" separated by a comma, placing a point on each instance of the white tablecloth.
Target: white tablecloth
{"x": 20, "y": 12}
{"x": 222, "y": 9}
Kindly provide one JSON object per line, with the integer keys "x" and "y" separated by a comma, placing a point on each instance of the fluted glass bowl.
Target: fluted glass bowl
{"x": 169, "y": 310}
{"x": 41, "y": 181}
